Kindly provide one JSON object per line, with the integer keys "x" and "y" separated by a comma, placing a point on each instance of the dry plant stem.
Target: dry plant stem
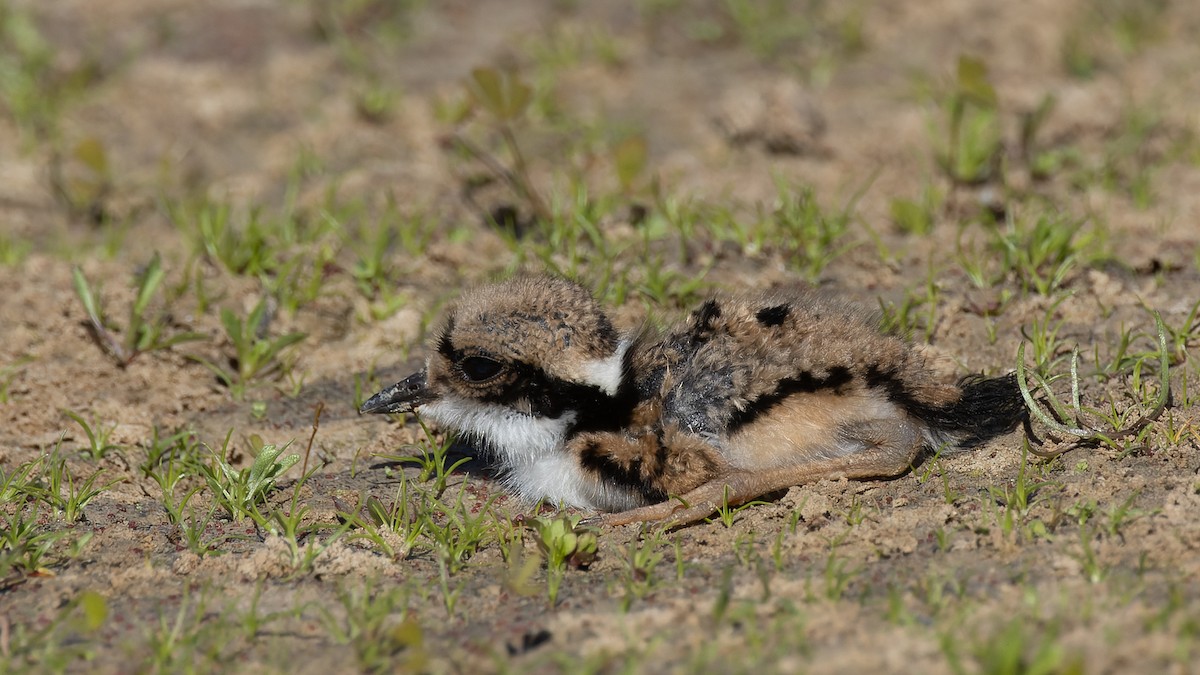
{"x": 1087, "y": 435}
{"x": 103, "y": 337}
{"x": 109, "y": 342}
{"x": 315, "y": 425}
{"x": 522, "y": 171}
{"x": 517, "y": 180}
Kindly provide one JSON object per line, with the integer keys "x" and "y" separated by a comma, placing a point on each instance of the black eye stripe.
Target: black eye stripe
{"x": 479, "y": 368}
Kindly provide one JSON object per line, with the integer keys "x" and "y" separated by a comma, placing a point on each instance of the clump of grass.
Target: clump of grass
{"x": 1014, "y": 505}
{"x": 288, "y": 250}
{"x": 26, "y": 546}
{"x": 56, "y": 486}
{"x": 375, "y": 622}
{"x": 970, "y": 147}
{"x": 796, "y": 227}
{"x": 83, "y": 180}
{"x": 645, "y": 553}
{"x": 55, "y": 645}
{"x": 1107, "y": 30}
{"x": 143, "y": 332}
{"x": 34, "y": 87}
{"x": 1092, "y": 426}
{"x": 290, "y": 522}
{"x": 239, "y": 491}
{"x": 503, "y": 98}
{"x": 973, "y": 144}
{"x": 255, "y": 355}
{"x": 809, "y": 237}
{"x": 13, "y": 249}
{"x": 365, "y": 35}
{"x": 918, "y": 311}
{"x": 917, "y": 216}
{"x": 393, "y": 527}
{"x": 1042, "y": 254}
{"x": 456, "y": 532}
{"x": 430, "y": 457}
{"x": 810, "y": 35}
{"x": 1016, "y": 647}
{"x": 98, "y": 445}
{"x": 240, "y": 250}
{"x": 169, "y": 462}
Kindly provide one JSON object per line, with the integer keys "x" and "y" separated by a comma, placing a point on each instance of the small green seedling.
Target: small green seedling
{"x": 629, "y": 161}
{"x": 645, "y": 553}
{"x": 1043, "y": 253}
{"x": 246, "y": 251}
{"x": 56, "y": 487}
{"x": 170, "y": 460}
{"x": 1014, "y": 506}
{"x": 23, "y": 549}
{"x": 97, "y": 435}
{"x": 972, "y": 148}
{"x": 431, "y": 460}
{"x": 974, "y": 143}
{"x": 455, "y": 533}
{"x": 193, "y": 530}
{"x": 394, "y": 528}
{"x": 727, "y": 513}
{"x": 255, "y": 355}
{"x": 563, "y": 541}
{"x": 239, "y": 491}
{"x": 143, "y": 333}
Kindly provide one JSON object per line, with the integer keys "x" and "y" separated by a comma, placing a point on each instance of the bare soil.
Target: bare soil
{"x": 916, "y": 574}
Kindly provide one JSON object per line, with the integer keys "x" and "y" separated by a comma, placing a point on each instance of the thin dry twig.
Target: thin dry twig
{"x": 315, "y": 426}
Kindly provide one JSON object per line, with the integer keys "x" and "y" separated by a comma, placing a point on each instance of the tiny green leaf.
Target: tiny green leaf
{"x": 973, "y": 81}
{"x": 148, "y": 284}
{"x": 95, "y": 609}
{"x": 499, "y": 92}
{"x": 91, "y": 153}
{"x": 233, "y": 328}
{"x": 84, "y": 291}
{"x": 630, "y": 159}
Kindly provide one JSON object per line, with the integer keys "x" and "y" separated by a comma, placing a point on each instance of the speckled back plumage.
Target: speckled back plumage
{"x": 738, "y": 351}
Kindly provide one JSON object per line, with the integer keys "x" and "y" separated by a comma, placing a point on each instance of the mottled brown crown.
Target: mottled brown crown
{"x": 503, "y": 336}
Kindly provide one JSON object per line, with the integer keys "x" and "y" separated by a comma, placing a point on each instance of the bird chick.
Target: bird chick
{"x": 751, "y": 395}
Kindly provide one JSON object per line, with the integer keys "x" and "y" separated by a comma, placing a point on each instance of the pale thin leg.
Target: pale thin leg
{"x": 890, "y": 446}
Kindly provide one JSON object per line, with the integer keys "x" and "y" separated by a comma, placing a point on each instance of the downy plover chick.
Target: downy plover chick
{"x": 750, "y": 395}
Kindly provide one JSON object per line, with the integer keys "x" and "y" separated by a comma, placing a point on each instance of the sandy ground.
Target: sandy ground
{"x": 261, "y": 104}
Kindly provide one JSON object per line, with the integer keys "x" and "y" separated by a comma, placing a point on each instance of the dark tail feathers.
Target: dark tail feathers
{"x": 987, "y": 408}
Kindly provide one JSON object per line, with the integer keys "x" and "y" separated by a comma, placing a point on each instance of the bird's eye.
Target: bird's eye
{"x": 479, "y": 368}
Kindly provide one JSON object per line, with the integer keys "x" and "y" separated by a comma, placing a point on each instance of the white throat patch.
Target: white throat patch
{"x": 530, "y": 449}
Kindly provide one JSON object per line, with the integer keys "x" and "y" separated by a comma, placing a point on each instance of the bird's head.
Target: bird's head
{"x": 539, "y": 347}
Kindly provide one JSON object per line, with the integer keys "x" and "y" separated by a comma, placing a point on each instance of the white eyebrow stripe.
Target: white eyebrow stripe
{"x": 609, "y": 372}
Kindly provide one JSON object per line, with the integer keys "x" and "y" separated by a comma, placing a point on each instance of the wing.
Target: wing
{"x": 739, "y": 357}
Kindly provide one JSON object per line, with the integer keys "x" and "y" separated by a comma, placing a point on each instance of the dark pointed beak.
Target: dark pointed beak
{"x": 402, "y": 397}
